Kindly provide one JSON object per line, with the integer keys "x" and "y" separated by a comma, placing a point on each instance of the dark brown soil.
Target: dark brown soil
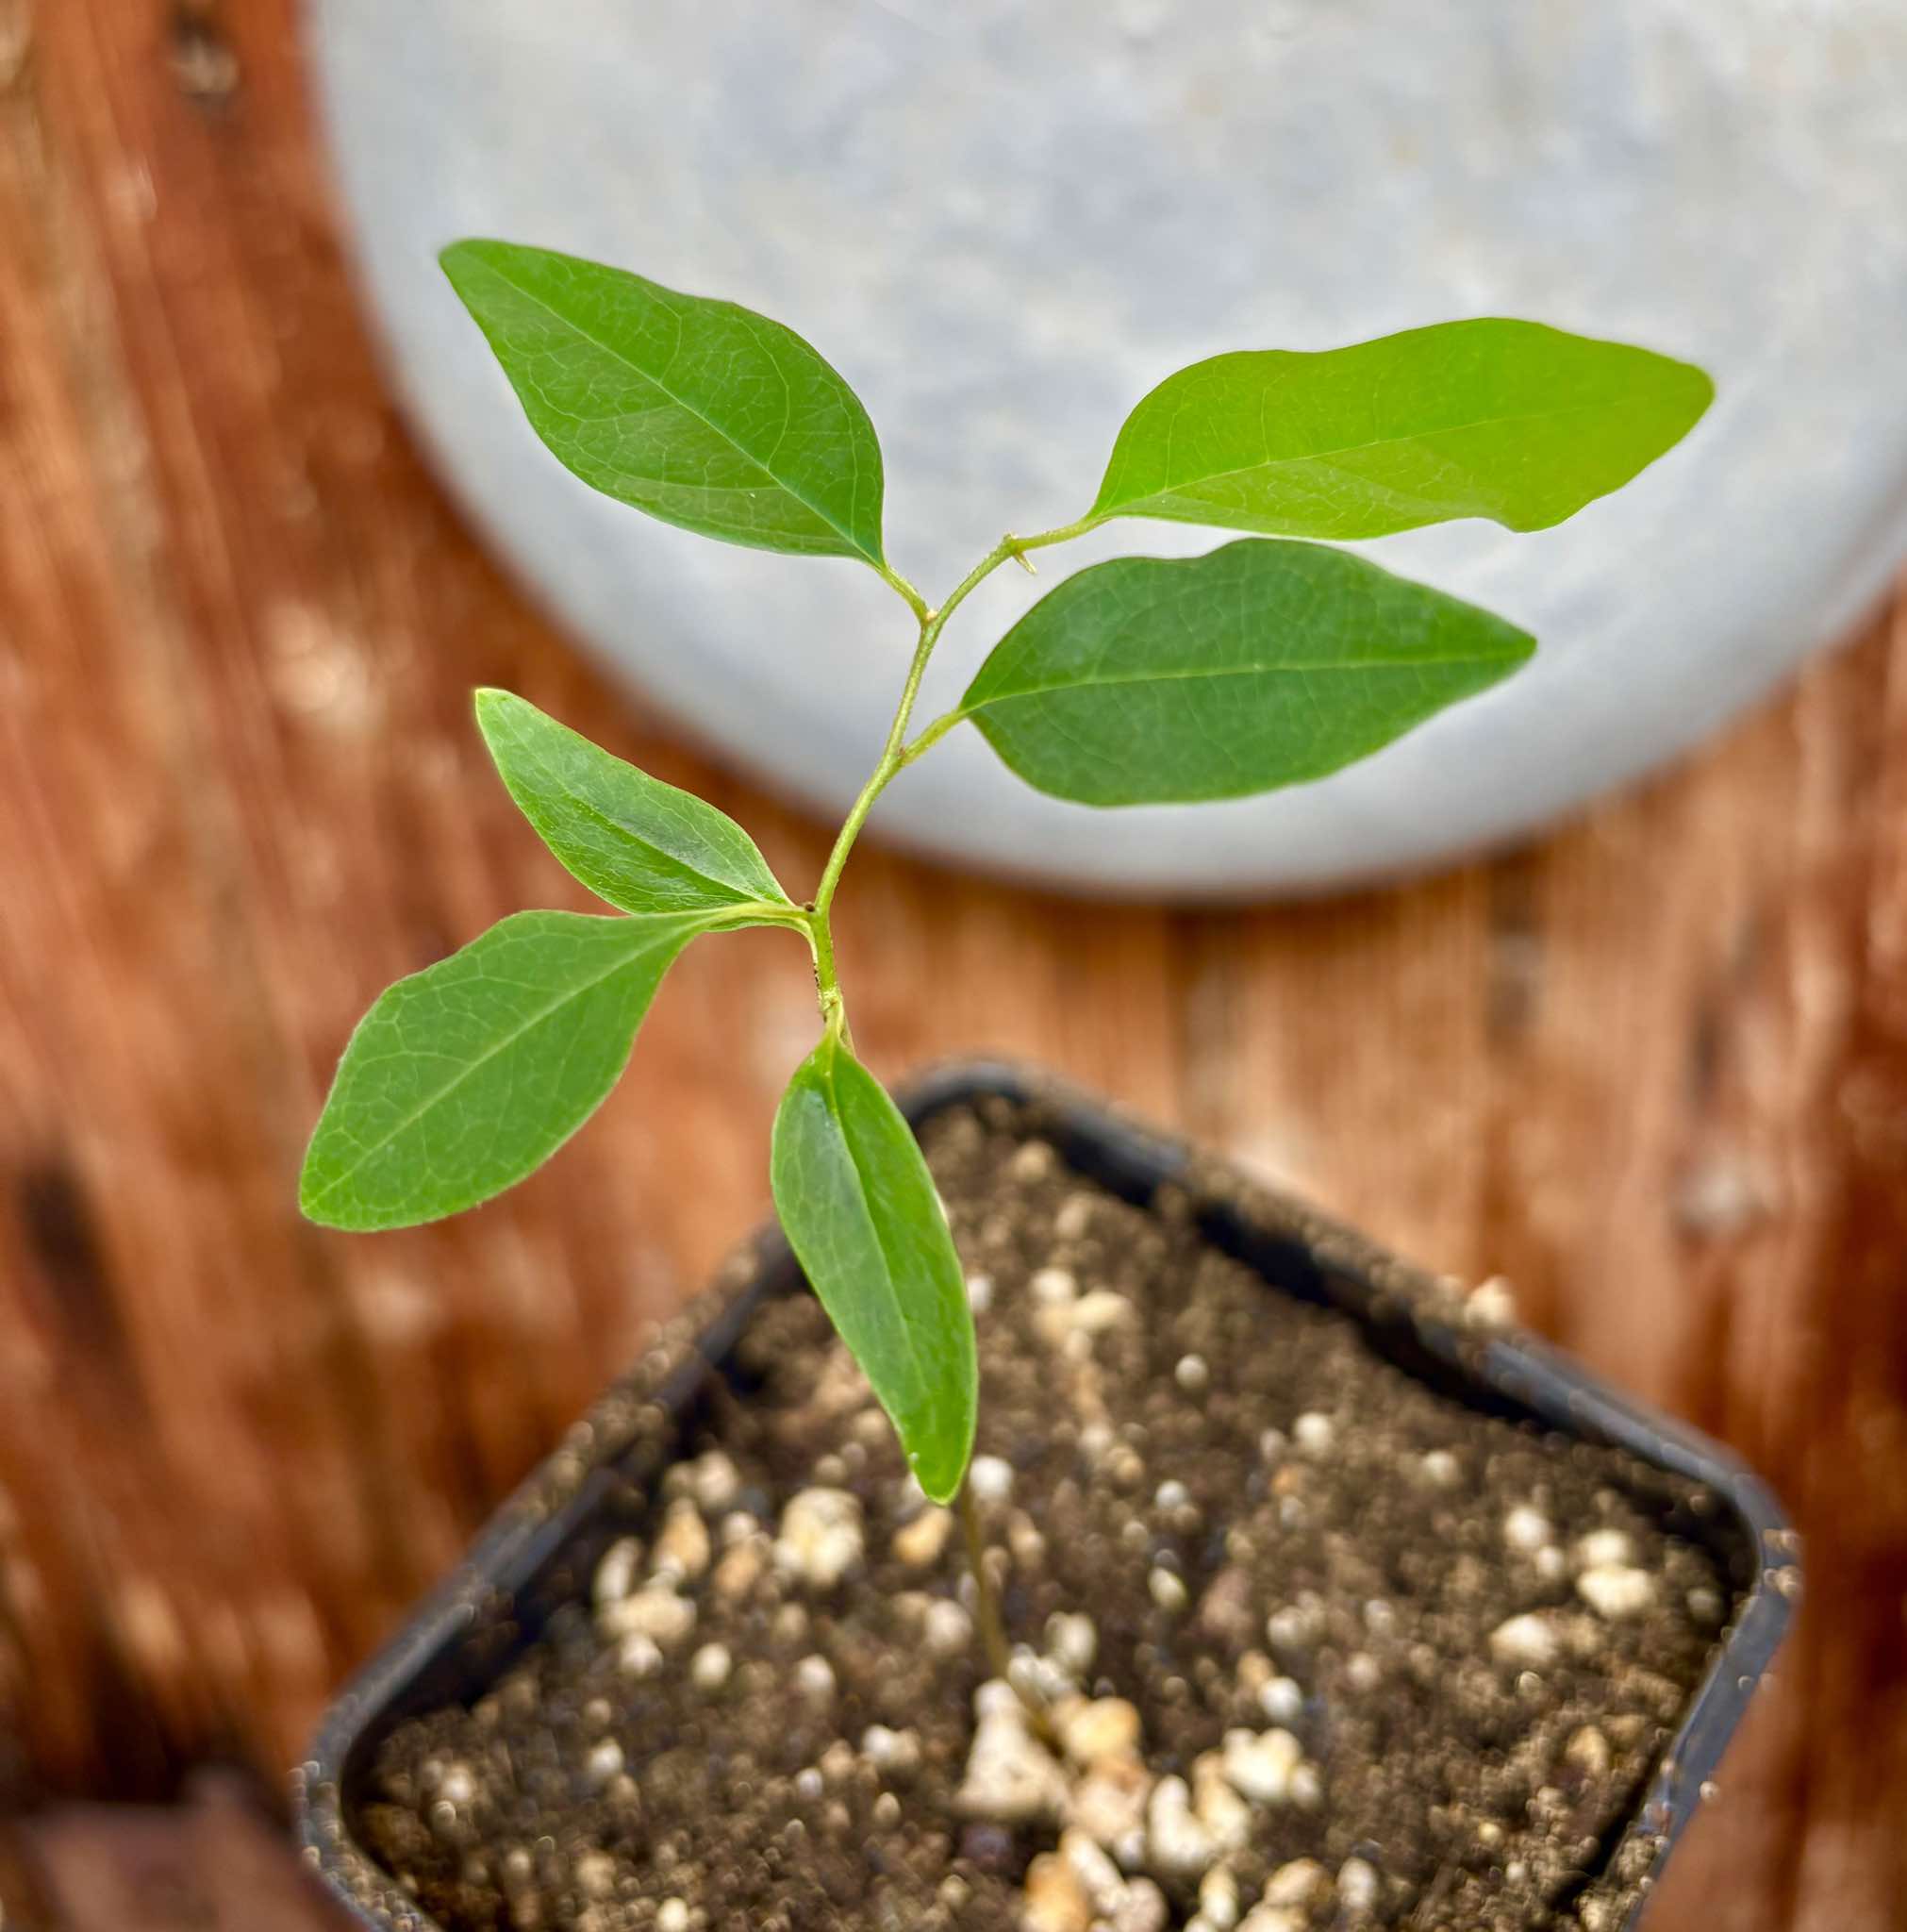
{"x": 1267, "y": 1525}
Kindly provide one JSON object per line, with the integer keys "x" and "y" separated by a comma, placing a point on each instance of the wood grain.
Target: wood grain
{"x": 1654, "y": 1070}
{"x": 215, "y": 1863}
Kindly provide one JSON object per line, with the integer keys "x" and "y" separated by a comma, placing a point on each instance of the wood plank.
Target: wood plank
{"x": 216, "y": 1863}
{"x": 1654, "y": 1069}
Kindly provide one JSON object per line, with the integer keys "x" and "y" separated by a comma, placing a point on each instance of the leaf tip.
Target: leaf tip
{"x": 465, "y": 248}
{"x": 1687, "y": 386}
{"x": 452, "y": 257}
{"x": 471, "y": 260}
{"x": 1701, "y": 388}
{"x": 942, "y": 1492}
{"x": 494, "y": 709}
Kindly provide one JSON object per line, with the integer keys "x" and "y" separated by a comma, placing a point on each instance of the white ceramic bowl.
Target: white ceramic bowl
{"x": 1004, "y": 221}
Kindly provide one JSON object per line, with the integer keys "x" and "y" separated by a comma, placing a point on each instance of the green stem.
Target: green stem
{"x": 897, "y": 754}
{"x": 986, "y": 1604}
{"x": 986, "y": 1609}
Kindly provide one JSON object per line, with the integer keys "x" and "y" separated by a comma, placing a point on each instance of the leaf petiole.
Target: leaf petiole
{"x": 931, "y": 736}
{"x": 895, "y": 581}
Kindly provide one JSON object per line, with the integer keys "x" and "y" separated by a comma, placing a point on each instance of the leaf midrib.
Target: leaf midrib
{"x": 1037, "y": 691}
{"x": 732, "y": 896}
{"x": 923, "y": 1382}
{"x": 682, "y": 402}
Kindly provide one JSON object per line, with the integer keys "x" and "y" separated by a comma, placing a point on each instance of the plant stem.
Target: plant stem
{"x": 986, "y": 1605}
{"x": 992, "y": 1631}
{"x": 893, "y": 754}
{"x": 896, "y": 754}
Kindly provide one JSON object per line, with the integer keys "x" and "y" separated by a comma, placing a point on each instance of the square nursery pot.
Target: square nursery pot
{"x": 536, "y": 1564}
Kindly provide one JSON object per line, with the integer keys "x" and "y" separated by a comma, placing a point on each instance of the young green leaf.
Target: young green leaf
{"x": 1149, "y": 681}
{"x": 466, "y": 1075}
{"x": 643, "y": 846}
{"x": 700, "y": 412}
{"x": 1511, "y": 421}
{"x": 861, "y": 1214}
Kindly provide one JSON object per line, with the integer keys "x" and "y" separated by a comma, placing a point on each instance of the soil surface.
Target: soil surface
{"x": 1318, "y": 1646}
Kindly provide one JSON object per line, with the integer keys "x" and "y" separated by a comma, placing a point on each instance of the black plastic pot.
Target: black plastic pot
{"x": 540, "y": 1549}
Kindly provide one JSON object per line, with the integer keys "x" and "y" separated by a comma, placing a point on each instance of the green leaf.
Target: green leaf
{"x": 1151, "y": 680}
{"x": 1506, "y": 419}
{"x": 643, "y": 846}
{"x": 859, "y": 1210}
{"x": 466, "y": 1075}
{"x": 702, "y": 413}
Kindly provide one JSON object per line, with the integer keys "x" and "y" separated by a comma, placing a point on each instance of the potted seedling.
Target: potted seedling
{"x": 1285, "y": 1589}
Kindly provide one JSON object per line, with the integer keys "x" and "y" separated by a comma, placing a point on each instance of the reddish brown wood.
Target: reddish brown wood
{"x": 1653, "y": 1070}
{"x": 214, "y": 1864}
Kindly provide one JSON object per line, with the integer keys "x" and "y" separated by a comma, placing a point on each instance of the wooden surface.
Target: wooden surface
{"x": 1654, "y": 1070}
{"x": 216, "y": 1862}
